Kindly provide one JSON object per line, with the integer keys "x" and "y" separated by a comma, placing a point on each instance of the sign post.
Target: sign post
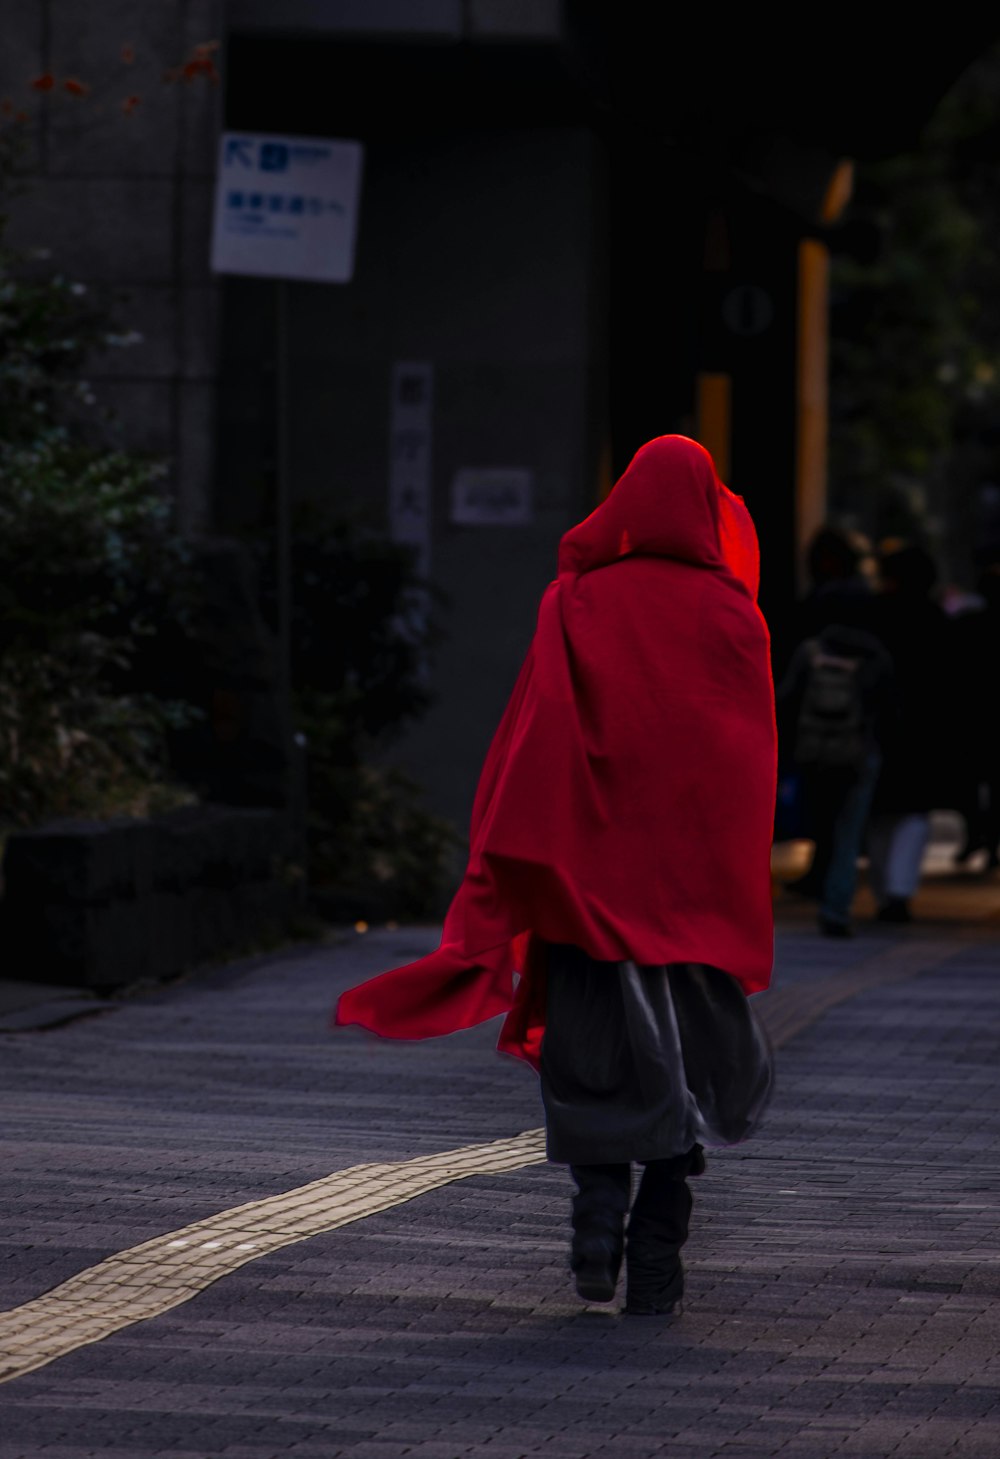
{"x": 283, "y": 504}
{"x": 286, "y": 207}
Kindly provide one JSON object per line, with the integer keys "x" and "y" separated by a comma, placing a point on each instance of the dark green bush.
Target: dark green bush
{"x": 89, "y": 566}
{"x": 374, "y": 849}
{"x": 362, "y": 628}
{"x": 90, "y": 571}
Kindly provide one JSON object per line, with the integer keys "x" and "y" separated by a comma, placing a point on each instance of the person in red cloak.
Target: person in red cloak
{"x": 616, "y": 907}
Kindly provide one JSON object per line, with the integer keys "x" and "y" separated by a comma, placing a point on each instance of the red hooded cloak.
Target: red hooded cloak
{"x": 626, "y": 804}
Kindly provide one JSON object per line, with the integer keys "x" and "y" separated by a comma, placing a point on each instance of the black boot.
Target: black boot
{"x": 894, "y": 909}
{"x": 657, "y": 1229}
{"x": 599, "y": 1210}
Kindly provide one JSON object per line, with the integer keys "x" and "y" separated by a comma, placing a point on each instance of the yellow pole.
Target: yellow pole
{"x": 714, "y": 407}
{"x": 812, "y": 370}
{"x": 812, "y": 392}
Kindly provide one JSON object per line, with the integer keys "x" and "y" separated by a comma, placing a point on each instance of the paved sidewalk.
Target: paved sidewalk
{"x": 844, "y": 1268}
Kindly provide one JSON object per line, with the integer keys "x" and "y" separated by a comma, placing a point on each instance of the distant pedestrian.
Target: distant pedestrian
{"x": 620, "y": 865}
{"x": 915, "y": 751}
{"x": 975, "y": 636}
{"x": 838, "y": 590}
{"x": 832, "y": 704}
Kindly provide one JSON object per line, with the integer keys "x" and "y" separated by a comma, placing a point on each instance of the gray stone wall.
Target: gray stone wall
{"x": 123, "y": 201}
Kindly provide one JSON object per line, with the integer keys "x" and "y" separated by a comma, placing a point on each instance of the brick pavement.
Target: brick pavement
{"x": 844, "y": 1267}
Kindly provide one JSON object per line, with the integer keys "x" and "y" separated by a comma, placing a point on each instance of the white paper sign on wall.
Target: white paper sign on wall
{"x": 493, "y": 496}
{"x": 410, "y": 409}
{"x": 286, "y": 207}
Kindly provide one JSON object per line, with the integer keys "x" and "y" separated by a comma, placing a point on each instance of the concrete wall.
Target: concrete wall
{"x": 124, "y": 202}
{"x": 481, "y": 253}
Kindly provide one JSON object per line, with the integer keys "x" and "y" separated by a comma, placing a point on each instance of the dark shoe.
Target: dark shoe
{"x": 833, "y": 927}
{"x": 599, "y": 1210}
{"x": 597, "y": 1278}
{"x": 662, "y": 1298}
{"x": 894, "y": 909}
{"x": 657, "y": 1229}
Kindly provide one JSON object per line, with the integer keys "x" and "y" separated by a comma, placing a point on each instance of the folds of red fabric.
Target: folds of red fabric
{"x": 626, "y": 803}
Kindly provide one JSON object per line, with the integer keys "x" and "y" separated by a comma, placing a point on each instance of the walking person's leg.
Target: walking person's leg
{"x": 612, "y": 1083}
{"x": 910, "y": 835}
{"x": 599, "y": 1210}
{"x": 820, "y": 803}
{"x": 638, "y": 1065}
{"x": 657, "y": 1229}
{"x": 583, "y": 1063}
{"x": 847, "y": 839}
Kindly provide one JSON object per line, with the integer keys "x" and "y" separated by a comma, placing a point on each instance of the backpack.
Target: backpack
{"x": 830, "y": 732}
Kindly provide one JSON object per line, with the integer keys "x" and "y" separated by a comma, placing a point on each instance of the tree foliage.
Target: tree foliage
{"x": 362, "y": 628}
{"x": 89, "y": 569}
{"x": 915, "y": 331}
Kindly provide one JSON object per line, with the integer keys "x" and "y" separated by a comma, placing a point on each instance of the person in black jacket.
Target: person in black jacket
{"x": 838, "y": 591}
{"x": 831, "y": 704}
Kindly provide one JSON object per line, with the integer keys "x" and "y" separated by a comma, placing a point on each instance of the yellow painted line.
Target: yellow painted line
{"x": 146, "y": 1280}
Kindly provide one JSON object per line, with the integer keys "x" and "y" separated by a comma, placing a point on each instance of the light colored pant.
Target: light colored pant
{"x": 896, "y": 846}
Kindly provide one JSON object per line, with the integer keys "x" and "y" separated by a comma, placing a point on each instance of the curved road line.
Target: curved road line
{"x": 146, "y": 1280}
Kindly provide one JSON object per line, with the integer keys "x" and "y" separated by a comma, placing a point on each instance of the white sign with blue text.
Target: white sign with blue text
{"x": 286, "y": 207}
{"x": 410, "y": 411}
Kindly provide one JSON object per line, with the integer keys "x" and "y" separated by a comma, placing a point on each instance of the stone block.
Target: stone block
{"x": 89, "y": 140}
{"x": 196, "y": 203}
{"x": 214, "y": 846}
{"x": 22, "y": 57}
{"x": 199, "y": 306}
{"x": 181, "y": 850}
{"x": 214, "y": 925}
{"x": 261, "y": 909}
{"x": 101, "y": 945}
{"x": 79, "y": 861}
{"x": 115, "y": 229}
{"x": 201, "y": 126}
{"x": 201, "y": 112}
{"x": 440, "y": 18}
{"x": 119, "y": 938}
{"x": 93, "y": 135}
{"x": 140, "y": 414}
{"x": 194, "y": 461}
{"x": 149, "y": 310}
{"x": 170, "y": 934}
{"x": 104, "y": 905}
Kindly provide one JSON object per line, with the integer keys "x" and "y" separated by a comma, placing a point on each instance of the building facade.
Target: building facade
{"x": 580, "y": 226}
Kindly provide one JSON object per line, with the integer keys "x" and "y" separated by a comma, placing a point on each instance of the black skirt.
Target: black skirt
{"x": 641, "y": 1063}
